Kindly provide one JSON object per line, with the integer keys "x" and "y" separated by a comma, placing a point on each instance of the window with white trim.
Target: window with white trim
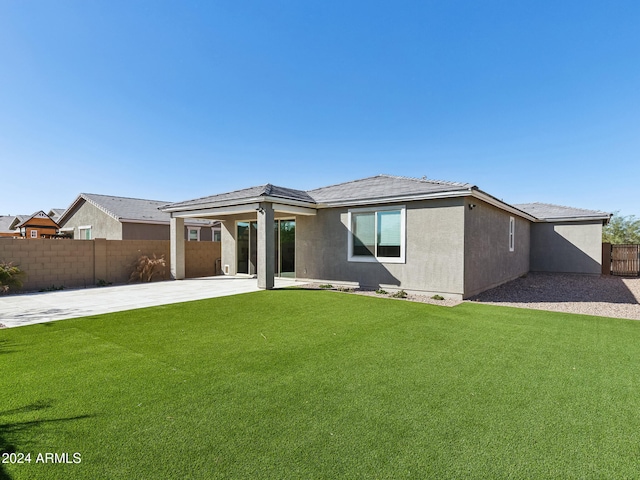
{"x": 194, "y": 234}
{"x": 512, "y": 234}
{"x": 216, "y": 234}
{"x": 84, "y": 233}
{"x": 377, "y": 234}
{"x": 34, "y": 234}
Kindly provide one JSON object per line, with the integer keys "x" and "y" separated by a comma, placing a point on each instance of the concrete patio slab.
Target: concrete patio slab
{"x": 31, "y": 308}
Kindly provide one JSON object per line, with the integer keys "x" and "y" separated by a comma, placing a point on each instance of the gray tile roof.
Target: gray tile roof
{"x": 124, "y": 208}
{"x": 55, "y": 213}
{"x": 247, "y": 194}
{"x": 548, "y": 211}
{"x": 5, "y": 223}
{"x": 383, "y": 187}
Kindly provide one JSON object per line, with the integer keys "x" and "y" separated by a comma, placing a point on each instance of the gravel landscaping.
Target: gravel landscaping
{"x": 605, "y": 296}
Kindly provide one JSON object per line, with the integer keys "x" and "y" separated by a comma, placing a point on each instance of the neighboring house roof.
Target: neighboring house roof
{"x": 550, "y": 212}
{"x": 55, "y": 213}
{"x": 125, "y": 209}
{"x": 23, "y": 220}
{"x": 5, "y": 223}
{"x": 19, "y": 220}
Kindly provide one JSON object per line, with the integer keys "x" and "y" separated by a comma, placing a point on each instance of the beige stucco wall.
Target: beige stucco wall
{"x": 102, "y": 224}
{"x": 487, "y": 259}
{"x": 569, "y": 247}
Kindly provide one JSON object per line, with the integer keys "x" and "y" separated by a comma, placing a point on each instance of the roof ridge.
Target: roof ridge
{"x": 428, "y": 180}
{"x": 126, "y": 198}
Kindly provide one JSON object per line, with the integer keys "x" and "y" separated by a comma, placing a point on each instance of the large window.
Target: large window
{"x": 377, "y": 235}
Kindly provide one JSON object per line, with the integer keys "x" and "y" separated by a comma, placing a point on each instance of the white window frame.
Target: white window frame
{"x": 512, "y": 234}
{"x": 215, "y": 230}
{"x": 197, "y": 229}
{"x": 34, "y": 234}
{"x": 85, "y": 227}
{"x": 375, "y": 258}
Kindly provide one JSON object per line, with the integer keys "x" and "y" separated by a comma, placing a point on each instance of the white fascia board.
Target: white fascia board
{"x": 158, "y": 222}
{"x": 575, "y": 219}
{"x": 238, "y": 203}
{"x": 217, "y": 211}
{"x": 397, "y": 199}
{"x": 293, "y": 209}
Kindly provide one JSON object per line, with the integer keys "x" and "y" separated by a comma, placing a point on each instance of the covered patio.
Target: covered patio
{"x": 257, "y": 234}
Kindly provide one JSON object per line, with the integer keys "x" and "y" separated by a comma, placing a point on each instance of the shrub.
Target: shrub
{"x": 380, "y": 291}
{"x": 52, "y": 288}
{"x": 146, "y": 267}
{"x": 10, "y": 277}
{"x": 102, "y": 283}
{"x": 437, "y": 297}
{"x": 400, "y": 294}
{"x": 325, "y": 286}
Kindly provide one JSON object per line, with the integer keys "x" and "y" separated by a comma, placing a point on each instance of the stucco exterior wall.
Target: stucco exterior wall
{"x": 568, "y": 247}
{"x": 487, "y": 259}
{"x": 434, "y": 250}
{"x": 102, "y": 224}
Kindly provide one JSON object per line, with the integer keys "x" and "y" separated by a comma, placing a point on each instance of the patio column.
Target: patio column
{"x": 177, "y": 248}
{"x": 266, "y": 246}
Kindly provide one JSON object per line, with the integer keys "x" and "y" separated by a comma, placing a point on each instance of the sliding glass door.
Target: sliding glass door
{"x": 285, "y": 247}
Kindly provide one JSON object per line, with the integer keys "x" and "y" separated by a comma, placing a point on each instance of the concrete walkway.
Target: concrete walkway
{"x": 30, "y": 308}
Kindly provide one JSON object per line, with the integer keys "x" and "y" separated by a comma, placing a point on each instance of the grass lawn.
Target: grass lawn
{"x": 316, "y": 384}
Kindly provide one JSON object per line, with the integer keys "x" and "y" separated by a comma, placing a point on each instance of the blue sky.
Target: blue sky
{"x": 530, "y": 101}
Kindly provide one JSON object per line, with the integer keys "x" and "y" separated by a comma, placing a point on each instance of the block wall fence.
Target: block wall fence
{"x": 82, "y": 263}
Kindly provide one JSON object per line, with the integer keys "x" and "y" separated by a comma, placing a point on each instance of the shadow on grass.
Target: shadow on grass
{"x": 9, "y": 431}
{"x": 5, "y": 347}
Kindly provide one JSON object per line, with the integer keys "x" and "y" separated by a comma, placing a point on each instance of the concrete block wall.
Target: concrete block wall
{"x": 82, "y": 263}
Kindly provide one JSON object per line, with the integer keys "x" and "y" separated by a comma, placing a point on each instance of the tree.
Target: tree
{"x": 622, "y": 229}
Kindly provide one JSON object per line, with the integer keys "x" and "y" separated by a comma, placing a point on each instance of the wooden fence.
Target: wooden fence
{"x": 622, "y": 260}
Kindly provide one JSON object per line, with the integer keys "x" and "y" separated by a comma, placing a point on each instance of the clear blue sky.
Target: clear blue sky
{"x": 530, "y": 101}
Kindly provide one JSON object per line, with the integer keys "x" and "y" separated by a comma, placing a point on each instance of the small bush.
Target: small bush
{"x": 380, "y": 291}
{"x": 102, "y": 283}
{"x": 325, "y": 286}
{"x": 146, "y": 267}
{"x": 437, "y": 297}
{"x": 400, "y": 294}
{"x": 11, "y": 277}
{"x": 52, "y": 288}
{"x": 346, "y": 289}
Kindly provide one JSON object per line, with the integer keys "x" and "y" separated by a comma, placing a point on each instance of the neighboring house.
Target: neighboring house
{"x": 5, "y": 226}
{"x": 38, "y": 225}
{"x": 55, "y": 213}
{"x": 419, "y": 235}
{"x": 120, "y": 218}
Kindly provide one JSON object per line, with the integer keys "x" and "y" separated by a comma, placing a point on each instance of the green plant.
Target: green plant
{"x": 437, "y": 297}
{"x": 11, "y": 276}
{"x": 380, "y": 291}
{"x": 52, "y": 288}
{"x": 325, "y": 286}
{"x": 346, "y": 289}
{"x": 400, "y": 294}
{"x": 146, "y": 267}
{"x": 102, "y": 283}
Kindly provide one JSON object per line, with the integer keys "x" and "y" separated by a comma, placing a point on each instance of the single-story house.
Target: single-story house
{"x": 120, "y": 218}
{"x": 419, "y": 235}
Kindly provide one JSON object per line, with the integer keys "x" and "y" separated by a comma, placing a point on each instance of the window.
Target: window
{"x": 377, "y": 235}
{"x": 84, "y": 232}
{"x": 194, "y": 234}
{"x": 215, "y": 234}
{"x": 512, "y": 235}
{"x": 34, "y": 234}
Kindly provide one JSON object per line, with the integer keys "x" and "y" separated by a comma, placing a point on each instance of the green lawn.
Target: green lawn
{"x": 316, "y": 384}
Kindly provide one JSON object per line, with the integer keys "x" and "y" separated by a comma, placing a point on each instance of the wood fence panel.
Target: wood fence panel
{"x": 625, "y": 260}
